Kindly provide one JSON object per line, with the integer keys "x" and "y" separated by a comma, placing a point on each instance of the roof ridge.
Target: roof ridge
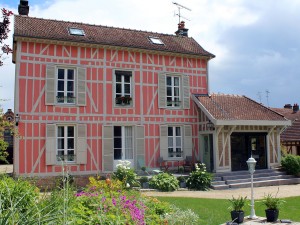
{"x": 105, "y": 26}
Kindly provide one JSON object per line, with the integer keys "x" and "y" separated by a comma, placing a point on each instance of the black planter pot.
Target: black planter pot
{"x": 237, "y": 216}
{"x": 272, "y": 215}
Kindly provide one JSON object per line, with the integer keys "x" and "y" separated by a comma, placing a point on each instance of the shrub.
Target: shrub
{"x": 144, "y": 179}
{"x": 199, "y": 179}
{"x": 181, "y": 217}
{"x": 164, "y": 182}
{"x": 291, "y": 163}
{"x": 272, "y": 202}
{"x": 237, "y": 204}
{"x": 125, "y": 174}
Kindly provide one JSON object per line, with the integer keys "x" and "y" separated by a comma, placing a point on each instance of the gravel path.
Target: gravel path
{"x": 259, "y": 192}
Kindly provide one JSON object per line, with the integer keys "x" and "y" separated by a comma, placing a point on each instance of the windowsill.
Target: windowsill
{"x": 123, "y": 106}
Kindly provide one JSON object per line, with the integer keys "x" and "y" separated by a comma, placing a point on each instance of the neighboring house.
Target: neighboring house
{"x": 290, "y": 138}
{"x": 91, "y": 95}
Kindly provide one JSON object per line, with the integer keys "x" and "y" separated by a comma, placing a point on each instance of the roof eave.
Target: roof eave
{"x": 253, "y": 122}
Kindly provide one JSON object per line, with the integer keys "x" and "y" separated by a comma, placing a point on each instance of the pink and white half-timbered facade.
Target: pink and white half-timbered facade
{"x": 91, "y": 95}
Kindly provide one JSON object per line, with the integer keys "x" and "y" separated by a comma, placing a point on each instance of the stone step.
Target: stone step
{"x": 244, "y": 172}
{"x": 220, "y": 187}
{"x": 214, "y": 183}
{"x": 255, "y": 175}
{"x": 275, "y": 182}
{"x": 259, "y": 179}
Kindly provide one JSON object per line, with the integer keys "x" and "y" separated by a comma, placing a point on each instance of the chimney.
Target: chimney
{"x": 295, "y": 108}
{"x": 287, "y": 106}
{"x": 182, "y": 31}
{"x": 23, "y": 8}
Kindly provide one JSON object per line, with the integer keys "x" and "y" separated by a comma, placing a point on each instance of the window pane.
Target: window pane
{"x": 117, "y": 131}
{"x": 127, "y": 79}
{"x": 178, "y": 142}
{"x": 60, "y": 132}
{"x": 169, "y": 81}
{"x": 118, "y": 78}
{"x": 170, "y": 142}
{"x": 127, "y": 88}
{"x": 70, "y": 143}
{"x": 60, "y": 85}
{"x": 60, "y": 155}
{"x": 118, "y": 88}
{"x": 117, "y": 154}
{"x": 176, "y": 81}
{"x": 169, "y": 91}
{"x": 61, "y": 73}
{"x": 71, "y": 74}
{"x": 176, "y": 91}
{"x": 70, "y": 156}
{"x": 71, "y": 132}
{"x": 60, "y": 143}
{"x": 118, "y": 142}
{"x": 178, "y": 131}
{"x": 169, "y": 101}
{"x": 70, "y": 86}
{"x": 170, "y": 131}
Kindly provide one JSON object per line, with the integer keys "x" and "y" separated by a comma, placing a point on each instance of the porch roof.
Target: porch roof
{"x": 224, "y": 109}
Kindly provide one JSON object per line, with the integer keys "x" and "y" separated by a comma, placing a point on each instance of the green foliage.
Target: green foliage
{"x": 199, "y": 179}
{"x": 144, "y": 179}
{"x": 164, "y": 182}
{"x": 272, "y": 202}
{"x": 3, "y": 144}
{"x": 237, "y": 204}
{"x": 125, "y": 174}
{"x": 291, "y": 163}
{"x": 181, "y": 179}
{"x": 182, "y": 217}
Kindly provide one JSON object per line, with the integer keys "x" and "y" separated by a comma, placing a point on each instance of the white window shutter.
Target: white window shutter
{"x": 81, "y": 86}
{"x": 164, "y": 141}
{"x": 81, "y": 151}
{"x": 50, "y": 85}
{"x": 140, "y": 142}
{"x": 188, "y": 141}
{"x": 50, "y": 144}
{"x": 162, "y": 95}
{"x": 186, "y": 91}
{"x": 107, "y": 149}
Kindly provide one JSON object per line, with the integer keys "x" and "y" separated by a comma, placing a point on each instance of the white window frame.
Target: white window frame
{"x": 173, "y": 139}
{"x": 66, "y": 99}
{"x": 122, "y": 98}
{"x": 65, "y": 139}
{"x": 173, "y": 96}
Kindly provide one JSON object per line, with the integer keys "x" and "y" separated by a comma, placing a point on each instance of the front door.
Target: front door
{"x": 243, "y": 145}
{"x": 123, "y": 145}
{"x": 207, "y": 147}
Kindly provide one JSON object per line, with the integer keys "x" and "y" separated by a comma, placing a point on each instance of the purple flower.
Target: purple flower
{"x": 114, "y": 201}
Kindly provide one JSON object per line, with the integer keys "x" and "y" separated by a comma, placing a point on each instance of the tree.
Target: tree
{"x": 4, "y": 30}
{"x": 3, "y": 144}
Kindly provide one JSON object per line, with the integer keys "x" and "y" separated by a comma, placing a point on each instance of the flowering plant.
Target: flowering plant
{"x": 123, "y": 99}
{"x": 126, "y": 174}
{"x": 199, "y": 179}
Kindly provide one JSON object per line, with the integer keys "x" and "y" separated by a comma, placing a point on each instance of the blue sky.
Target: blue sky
{"x": 256, "y": 43}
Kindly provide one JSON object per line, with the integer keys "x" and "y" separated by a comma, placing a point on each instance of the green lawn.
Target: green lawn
{"x": 215, "y": 211}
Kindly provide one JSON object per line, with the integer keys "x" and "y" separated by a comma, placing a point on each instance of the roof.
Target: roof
{"x": 292, "y": 133}
{"x": 32, "y": 27}
{"x": 233, "y": 108}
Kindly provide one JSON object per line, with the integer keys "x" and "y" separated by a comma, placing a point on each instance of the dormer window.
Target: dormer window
{"x": 76, "y": 31}
{"x": 156, "y": 40}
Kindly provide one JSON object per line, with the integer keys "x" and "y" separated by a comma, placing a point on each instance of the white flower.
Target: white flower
{"x": 127, "y": 185}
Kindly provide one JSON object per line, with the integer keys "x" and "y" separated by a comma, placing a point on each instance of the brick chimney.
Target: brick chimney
{"x": 295, "y": 108}
{"x": 182, "y": 31}
{"x": 23, "y": 8}
{"x": 287, "y": 106}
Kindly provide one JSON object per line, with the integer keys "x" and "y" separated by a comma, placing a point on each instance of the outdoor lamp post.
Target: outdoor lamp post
{"x": 251, "y": 167}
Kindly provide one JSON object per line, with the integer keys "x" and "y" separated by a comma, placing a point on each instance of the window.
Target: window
{"x": 123, "y": 143}
{"x": 76, "y": 31}
{"x": 173, "y": 91}
{"x": 65, "y": 143}
{"x": 156, "y": 40}
{"x": 65, "y": 86}
{"x": 174, "y": 142}
{"x": 123, "y": 86}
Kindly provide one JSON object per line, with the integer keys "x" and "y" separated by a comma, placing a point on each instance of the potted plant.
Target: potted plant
{"x": 273, "y": 204}
{"x": 237, "y": 208}
{"x": 181, "y": 181}
{"x": 144, "y": 182}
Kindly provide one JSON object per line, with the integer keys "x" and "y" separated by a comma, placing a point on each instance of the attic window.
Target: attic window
{"x": 76, "y": 31}
{"x": 156, "y": 40}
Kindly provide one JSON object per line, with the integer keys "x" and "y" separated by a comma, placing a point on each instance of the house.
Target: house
{"x": 290, "y": 138}
{"x": 88, "y": 96}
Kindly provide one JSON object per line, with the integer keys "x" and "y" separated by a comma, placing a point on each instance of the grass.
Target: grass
{"x": 215, "y": 211}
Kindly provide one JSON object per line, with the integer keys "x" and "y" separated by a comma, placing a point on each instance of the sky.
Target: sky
{"x": 256, "y": 43}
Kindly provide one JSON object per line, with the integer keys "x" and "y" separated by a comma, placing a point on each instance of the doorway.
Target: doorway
{"x": 207, "y": 151}
{"x": 243, "y": 145}
{"x": 123, "y": 145}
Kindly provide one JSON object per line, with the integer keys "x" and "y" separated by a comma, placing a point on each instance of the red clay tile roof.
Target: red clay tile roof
{"x": 58, "y": 30}
{"x": 292, "y": 133}
{"x": 236, "y": 107}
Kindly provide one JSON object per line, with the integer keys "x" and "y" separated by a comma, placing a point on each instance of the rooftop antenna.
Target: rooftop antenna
{"x": 179, "y": 8}
{"x": 259, "y": 96}
{"x": 267, "y": 96}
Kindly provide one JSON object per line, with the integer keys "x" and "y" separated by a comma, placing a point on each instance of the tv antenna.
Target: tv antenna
{"x": 267, "y": 96}
{"x": 179, "y": 14}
